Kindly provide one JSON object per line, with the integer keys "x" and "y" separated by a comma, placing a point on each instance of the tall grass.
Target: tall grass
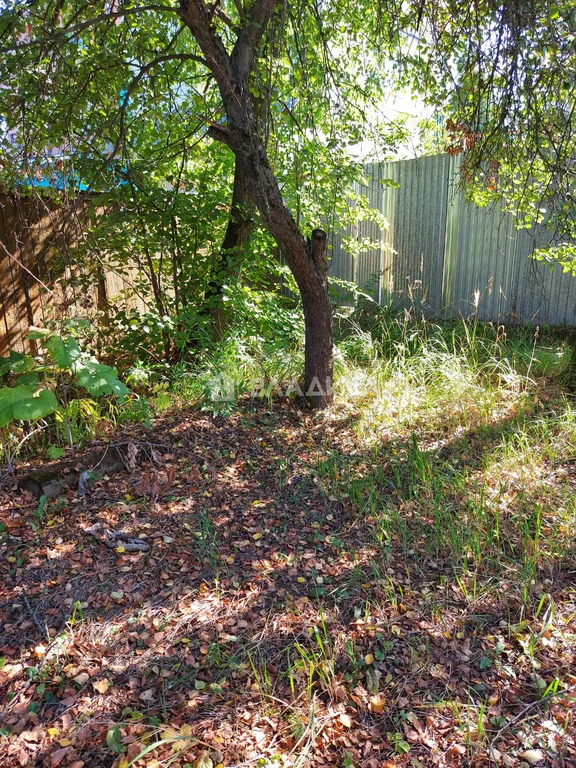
{"x": 402, "y": 373}
{"x": 237, "y": 367}
{"x": 396, "y": 368}
{"x": 463, "y": 434}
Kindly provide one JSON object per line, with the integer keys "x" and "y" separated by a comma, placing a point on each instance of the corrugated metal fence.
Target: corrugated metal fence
{"x": 444, "y": 257}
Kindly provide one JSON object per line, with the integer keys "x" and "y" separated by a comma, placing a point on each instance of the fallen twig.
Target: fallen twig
{"x": 113, "y": 539}
{"x": 521, "y": 715}
{"x": 33, "y": 615}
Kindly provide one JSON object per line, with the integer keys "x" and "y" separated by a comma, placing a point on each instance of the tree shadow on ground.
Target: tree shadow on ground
{"x": 271, "y": 598}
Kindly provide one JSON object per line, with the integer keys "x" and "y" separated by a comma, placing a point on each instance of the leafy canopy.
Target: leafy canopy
{"x": 97, "y": 93}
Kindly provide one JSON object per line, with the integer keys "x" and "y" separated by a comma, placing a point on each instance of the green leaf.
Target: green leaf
{"x": 54, "y": 452}
{"x": 100, "y": 379}
{"x": 17, "y": 362}
{"x": 8, "y": 397}
{"x": 30, "y": 379}
{"x": 114, "y": 741}
{"x": 41, "y": 404}
{"x": 25, "y": 403}
{"x": 39, "y": 333}
{"x": 64, "y": 352}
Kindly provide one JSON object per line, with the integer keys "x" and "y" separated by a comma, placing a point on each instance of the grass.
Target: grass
{"x": 467, "y": 425}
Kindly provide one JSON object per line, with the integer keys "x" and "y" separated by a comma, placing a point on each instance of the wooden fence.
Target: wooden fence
{"x": 41, "y": 277}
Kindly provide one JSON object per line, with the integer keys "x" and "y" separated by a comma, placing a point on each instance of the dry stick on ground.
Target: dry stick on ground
{"x": 522, "y": 715}
{"x": 33, "y": 616}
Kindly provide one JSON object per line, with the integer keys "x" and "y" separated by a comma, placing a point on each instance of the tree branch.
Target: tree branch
{"x": 196, "y": 15}
{"x": 219, "y": 133}
{"x": 227, "y": 20}
{"x": 240, "y": 9}
{"x": 66, "y": 32}
{"x": 249, "y": 37}
{"x": 134, "y": 84}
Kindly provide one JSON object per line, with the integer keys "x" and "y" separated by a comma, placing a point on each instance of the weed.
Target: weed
{"x": 77, "y": 616}
{"x": 397, "y": 741}
{"x": 207, "y": 539}
{"x": 313, "y": 664}
{"x": 38, "y": 515}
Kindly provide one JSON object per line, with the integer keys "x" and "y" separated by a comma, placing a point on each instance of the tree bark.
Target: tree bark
{"x": 238, "y": 232}
{"x": 318, "y": 356}
{"x": 241, "y": 133}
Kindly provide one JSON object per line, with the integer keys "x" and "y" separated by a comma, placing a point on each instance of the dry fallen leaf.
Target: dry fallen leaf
{"x": 410, "y": 733}
{"x": 57, "y": 757}
{"x": 345, "y": 720}
{"x": 455, "y": 752}
{"x": 147, "y": 695}
{"x": 204, "y": 760}
{"x": 412, "y": 717}
{"x": 533, "y": 756}
{"x": 377, "y": 703}
{"x": 101, "y": 685}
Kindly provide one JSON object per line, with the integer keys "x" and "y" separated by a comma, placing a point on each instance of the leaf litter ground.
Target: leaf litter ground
{"x": 270, "y": 623}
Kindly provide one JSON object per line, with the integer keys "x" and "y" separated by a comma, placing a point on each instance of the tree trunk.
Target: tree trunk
{"x": 318, "y": 357}
{"x": 238, "y": 233}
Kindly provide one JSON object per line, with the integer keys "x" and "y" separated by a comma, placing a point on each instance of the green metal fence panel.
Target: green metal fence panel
{"x": 442, "y": 256}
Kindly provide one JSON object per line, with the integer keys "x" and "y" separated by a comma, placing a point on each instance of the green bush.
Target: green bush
{"x": 53, "y": 385}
